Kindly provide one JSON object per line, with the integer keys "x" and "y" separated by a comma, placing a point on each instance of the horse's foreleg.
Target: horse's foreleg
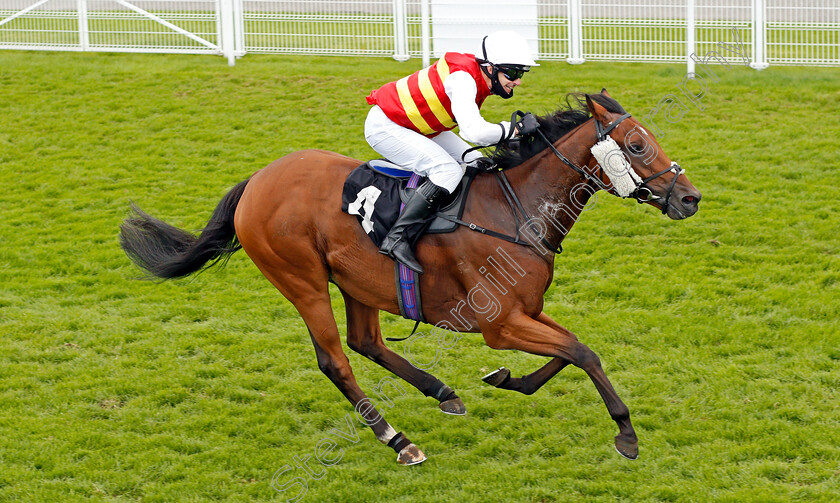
{"x": 527, "y": 334}
{"x": 530, "y": 383}
{"x": 365, "y": 337}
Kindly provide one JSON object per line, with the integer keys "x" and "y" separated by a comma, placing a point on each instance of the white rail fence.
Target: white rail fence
{"x": 785, "y": 32}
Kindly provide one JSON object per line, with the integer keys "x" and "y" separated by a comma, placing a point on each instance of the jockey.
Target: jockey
{"x": 411, "y": 120}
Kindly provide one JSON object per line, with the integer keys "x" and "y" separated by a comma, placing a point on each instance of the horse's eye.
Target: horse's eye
{"x": 635, "y": 148}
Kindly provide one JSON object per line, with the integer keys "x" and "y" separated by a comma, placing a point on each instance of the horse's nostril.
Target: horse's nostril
{"x": 691, "y": 200}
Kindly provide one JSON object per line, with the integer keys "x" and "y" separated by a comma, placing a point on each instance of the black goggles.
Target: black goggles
{"x": 512, "y": 72}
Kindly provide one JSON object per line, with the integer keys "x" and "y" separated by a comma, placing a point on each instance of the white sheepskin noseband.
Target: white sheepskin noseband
{"x": 609, "y": 155}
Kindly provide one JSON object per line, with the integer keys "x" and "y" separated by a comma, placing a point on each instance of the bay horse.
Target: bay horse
{"x": 288, "y": 219}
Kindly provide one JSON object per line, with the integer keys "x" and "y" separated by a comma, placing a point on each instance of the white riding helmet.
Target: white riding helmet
{"x": 507, "y": 48}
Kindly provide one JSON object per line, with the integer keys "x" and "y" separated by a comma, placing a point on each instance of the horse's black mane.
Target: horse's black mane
{"x": 554, "y": 126}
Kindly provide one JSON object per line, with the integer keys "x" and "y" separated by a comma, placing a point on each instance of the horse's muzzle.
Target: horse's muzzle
{"x": 683, "y": 203}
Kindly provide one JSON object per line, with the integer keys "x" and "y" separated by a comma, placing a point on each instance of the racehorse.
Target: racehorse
{"x": 288, "y": 219}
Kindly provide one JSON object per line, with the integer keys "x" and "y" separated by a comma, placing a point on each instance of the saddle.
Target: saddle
{"x": 376, "y": 190}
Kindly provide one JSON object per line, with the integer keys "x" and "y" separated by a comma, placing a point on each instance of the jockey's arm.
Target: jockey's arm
{"x": 461, "y": 90}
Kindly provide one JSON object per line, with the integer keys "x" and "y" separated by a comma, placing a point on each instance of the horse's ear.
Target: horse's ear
{"x": 595, "y": 109}
{"x": 605, "y": 93}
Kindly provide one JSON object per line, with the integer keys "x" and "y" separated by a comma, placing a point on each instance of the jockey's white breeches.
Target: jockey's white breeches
{"x": 437, "y": 158}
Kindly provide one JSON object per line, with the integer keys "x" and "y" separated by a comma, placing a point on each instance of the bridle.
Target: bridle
{"x": 642, "y": 193}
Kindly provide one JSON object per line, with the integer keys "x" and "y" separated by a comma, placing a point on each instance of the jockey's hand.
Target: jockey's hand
{"x": 485, "y": 164}
{"x": 527, "y": 125}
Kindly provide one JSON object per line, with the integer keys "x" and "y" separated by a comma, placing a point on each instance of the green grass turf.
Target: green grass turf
{"x": 719, "y": 332}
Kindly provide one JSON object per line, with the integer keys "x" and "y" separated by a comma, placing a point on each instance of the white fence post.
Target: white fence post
{"x": 227, "y": 42}
{"x": 425, "y": 34}
{"x": 575, "y": 34}
{"x": 84, "y": 33}
{"x": 400, "y": 35}
{"x": 759, "y": 35}
{"x": 690, "y": 34}
{"x": 239, "y": 28}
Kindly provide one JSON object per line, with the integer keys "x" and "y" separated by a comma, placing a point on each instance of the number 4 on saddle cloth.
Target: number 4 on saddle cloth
{"x": 376, "y": 193}
{"x": 377, "y": 190}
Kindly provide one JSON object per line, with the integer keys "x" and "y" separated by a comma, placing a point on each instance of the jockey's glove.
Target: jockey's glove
{"x": 527, "y": 125}
{"x": 486, "y": 164}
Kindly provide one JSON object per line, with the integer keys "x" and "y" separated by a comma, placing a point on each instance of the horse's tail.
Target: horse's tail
{"x": 168, "y": 252}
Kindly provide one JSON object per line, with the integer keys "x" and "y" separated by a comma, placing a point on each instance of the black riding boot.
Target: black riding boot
{"x": 422, "y": 204}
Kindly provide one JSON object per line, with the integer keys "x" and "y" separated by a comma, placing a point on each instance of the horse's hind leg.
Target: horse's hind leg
{"x": 334, "y": 364}
{"x": 308, "y": 291}
{"x": 365, "y": 337}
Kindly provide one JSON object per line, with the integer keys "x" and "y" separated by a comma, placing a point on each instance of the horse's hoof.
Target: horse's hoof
{"x": 627, "y": 446}
{"x": 411, "y": 455}
{"x": 497, "y": 377}
{"x": 455, "y": 407}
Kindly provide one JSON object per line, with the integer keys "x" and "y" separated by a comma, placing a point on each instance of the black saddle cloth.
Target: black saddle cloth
{"x": 375, "y": 190}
